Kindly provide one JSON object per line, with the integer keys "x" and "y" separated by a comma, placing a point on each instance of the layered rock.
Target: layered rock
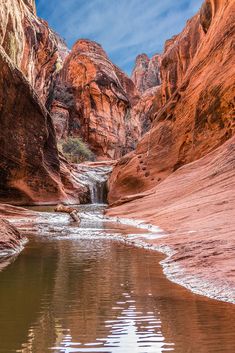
{"x": 195, "y": 208}
{"x": 150, "y": 102}
{"x": 31, "y": 54}
{"x": 92, "y": 98}
{"x": 31, "y": 45}
{"x": 29, "y": 163}
{"x": 146, "y": 73}
{"x": 10, "y": 238}
{"x": 198, "y": 115}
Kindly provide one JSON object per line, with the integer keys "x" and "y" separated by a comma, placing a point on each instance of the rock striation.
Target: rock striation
{"x": 10, "y": 238}
{"x": 29, "y": 163}
{"x": 197, "y": 94}
{"x": 31, "y": 54}
{"x": 195, "y": 208}
{"x": 92, "y": 99}
{"x": 31, "y": 45}
{"x": 146, "y": 73}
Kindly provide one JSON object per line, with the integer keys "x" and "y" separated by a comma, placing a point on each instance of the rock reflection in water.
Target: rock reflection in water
{"x": 98, "y": 295}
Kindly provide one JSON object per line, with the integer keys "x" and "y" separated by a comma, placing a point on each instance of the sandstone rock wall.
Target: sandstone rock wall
{"x": 146, "y": 73}
{"x": 31, "y": 54}
{"x": 10, "y": 238}
{"x": 29, "y": 163}
{"x": 92, "y": 98}
{"x": 32, "y": 46}
{"x": 195, "y": 208}
{"x": 198, "y": 116}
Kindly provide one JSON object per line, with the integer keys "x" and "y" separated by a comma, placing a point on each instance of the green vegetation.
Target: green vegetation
{"x": 76, "y": 150}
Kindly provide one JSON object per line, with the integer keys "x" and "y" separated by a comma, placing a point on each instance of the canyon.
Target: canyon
{"x": 167, "y": 131}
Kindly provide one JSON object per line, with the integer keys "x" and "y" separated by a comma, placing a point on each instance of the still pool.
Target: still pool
{"x": 78, "y": 289}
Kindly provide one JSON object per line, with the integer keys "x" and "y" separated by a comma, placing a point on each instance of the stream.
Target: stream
{"x": 81, "y": 289}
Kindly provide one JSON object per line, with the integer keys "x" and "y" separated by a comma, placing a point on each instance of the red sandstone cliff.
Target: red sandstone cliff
{"x": 31, "y": 45}
{"x": 30, "y": 170}
{"x": 92, "y": 98}
{"x": 29, "y": 163}
{"x": 198, "y": 115}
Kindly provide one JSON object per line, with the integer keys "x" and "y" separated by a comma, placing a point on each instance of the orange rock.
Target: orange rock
{"x": 150, "y": 102}
{"x": 31, "y": 54}
{"x": 29, "y": 163}
{"x": 32, "y": 46}
{"x": 93, "y": 99}
{"x": 195, "y": 207}
{"x": 199, "y": 112}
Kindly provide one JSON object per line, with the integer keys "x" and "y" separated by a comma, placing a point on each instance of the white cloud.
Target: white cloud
{"x": 125, "y": 28}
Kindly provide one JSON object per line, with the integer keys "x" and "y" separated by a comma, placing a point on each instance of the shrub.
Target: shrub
{"x": 76, "y": 150}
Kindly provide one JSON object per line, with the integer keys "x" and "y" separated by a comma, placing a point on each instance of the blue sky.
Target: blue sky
{"x": 125, "y": 28}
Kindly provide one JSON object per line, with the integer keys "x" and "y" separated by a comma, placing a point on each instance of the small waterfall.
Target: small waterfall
{"x": 95, "y": 178}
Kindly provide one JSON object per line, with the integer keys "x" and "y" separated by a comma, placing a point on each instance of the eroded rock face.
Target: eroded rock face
{"x": 150, "y": 102}
{"x": 32, "y": 46}
{"x": 198, "y": 114}
{"x": 10, "y": 238}
{"x": 29, "y": 163}
{"x": 31, "y": 54}
{"x": 92, "y": 99}
{"x": 195, "y": 208}
{"x": 146, "y": 73}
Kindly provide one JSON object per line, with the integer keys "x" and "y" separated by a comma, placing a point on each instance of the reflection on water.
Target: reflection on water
{"x": 88, "y": 293}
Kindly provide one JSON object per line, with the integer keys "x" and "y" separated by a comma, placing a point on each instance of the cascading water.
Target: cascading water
{"x": 95, "y": 177}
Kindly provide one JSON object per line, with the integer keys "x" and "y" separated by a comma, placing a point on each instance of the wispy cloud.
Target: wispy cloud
{"x": 125, "y": 28}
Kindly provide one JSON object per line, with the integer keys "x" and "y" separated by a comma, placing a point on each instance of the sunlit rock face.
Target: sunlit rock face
{"x": 92, "y": 98}
{"x": 32, "y": 46}
{"x": 146, "y": 73}
{"x": 197, "y": 115}
{"x": 31, "y": 5}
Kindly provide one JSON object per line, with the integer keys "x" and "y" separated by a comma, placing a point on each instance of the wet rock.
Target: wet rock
{"x": 10, "y": 238}
{"x": 195, "y": 207}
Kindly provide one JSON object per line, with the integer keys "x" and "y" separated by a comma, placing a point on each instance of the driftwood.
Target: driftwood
{"x": 71, "y": 210}
{"x": 75, "y": 216}
{"x": 64, "y": 208}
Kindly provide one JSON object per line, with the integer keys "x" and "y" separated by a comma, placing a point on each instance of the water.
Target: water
{"x": 81, "y": 290}
{"x": 95, "y": 178}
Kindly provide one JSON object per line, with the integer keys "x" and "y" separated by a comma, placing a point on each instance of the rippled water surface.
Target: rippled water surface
{"x": 78, "y": 290}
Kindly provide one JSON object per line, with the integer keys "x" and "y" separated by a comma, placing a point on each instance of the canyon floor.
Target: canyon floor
{"x": 195, "y": 207}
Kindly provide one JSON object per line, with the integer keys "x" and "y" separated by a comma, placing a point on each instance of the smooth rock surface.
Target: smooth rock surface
{"x": 199, "y": 112}
{"x": 195, "y": 207}
{"x": 29, "y": 162}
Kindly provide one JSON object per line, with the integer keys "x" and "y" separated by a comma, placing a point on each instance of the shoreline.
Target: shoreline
{"x": 176, "y": 273}
{"x": 155, "y": 239}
